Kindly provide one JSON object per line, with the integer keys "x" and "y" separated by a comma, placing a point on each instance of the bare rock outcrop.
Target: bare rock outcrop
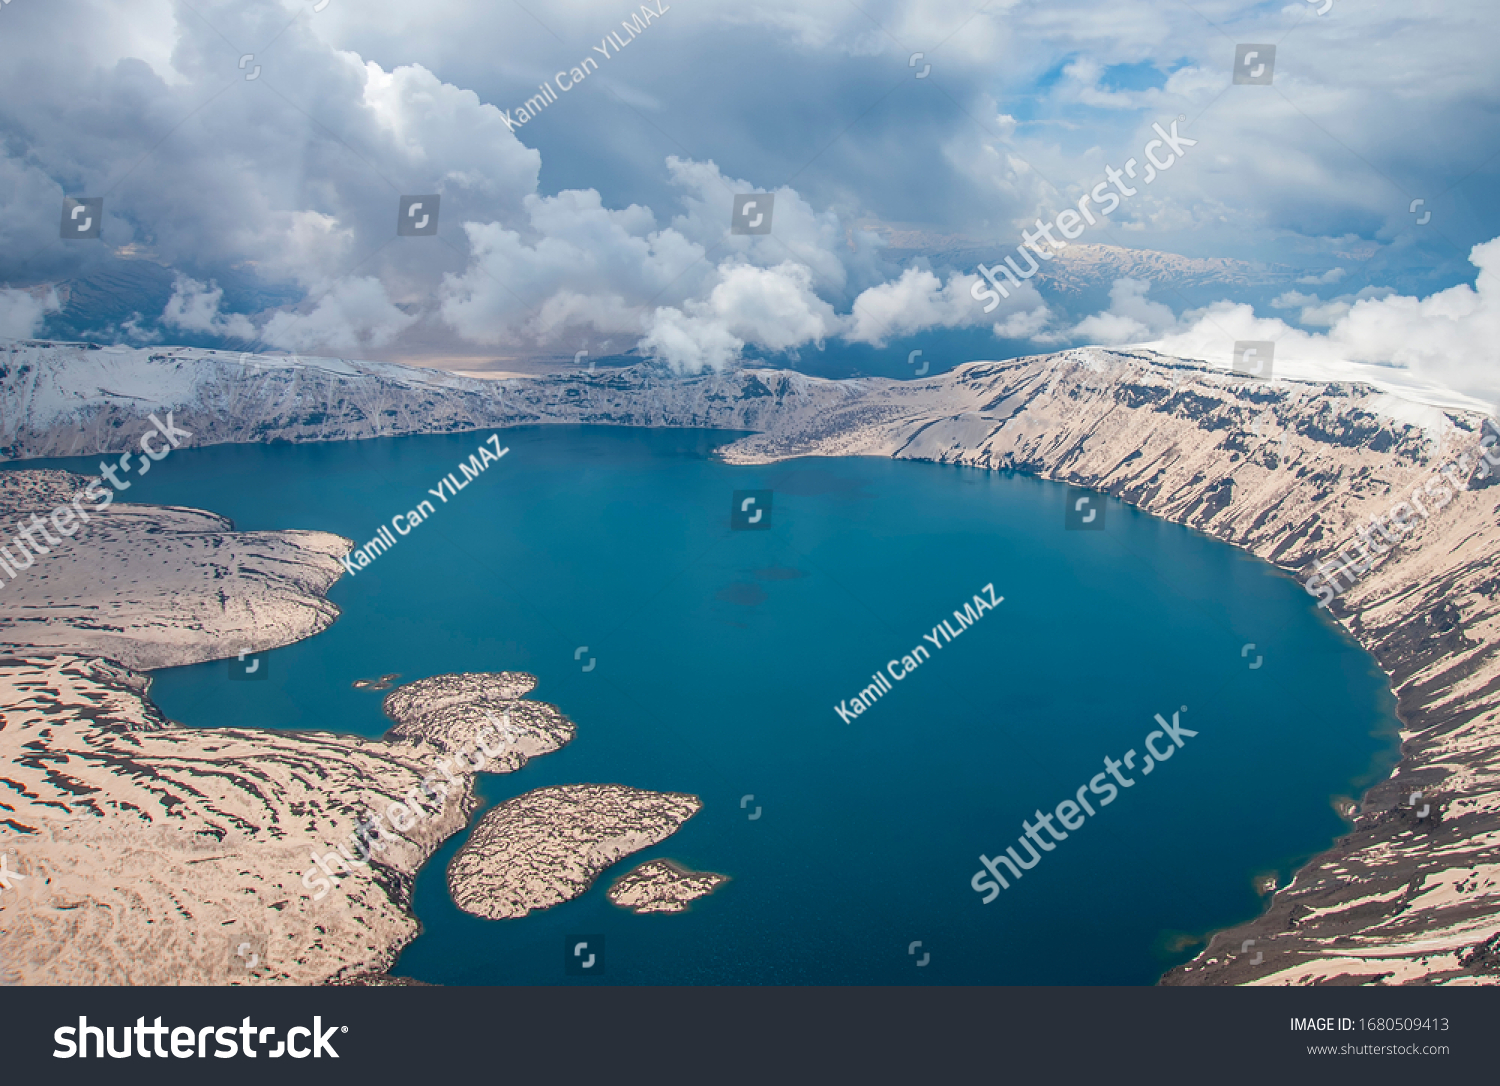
{"x": 548, "y": 846}
{"x": 157, "y": 586}
{"x": 483, "y": 711}
{"x": 151, "y": 853}
{"x": 660, "y": 886}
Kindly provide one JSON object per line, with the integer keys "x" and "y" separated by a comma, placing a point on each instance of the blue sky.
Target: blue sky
{"x": 259, "y": 212}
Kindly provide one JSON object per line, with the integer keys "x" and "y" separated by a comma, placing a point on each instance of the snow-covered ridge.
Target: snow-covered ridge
{"x": 46, "y": 385}
{"x": 66, "y": 399}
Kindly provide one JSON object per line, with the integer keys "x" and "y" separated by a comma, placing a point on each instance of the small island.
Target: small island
{"x": 548, "y": 846}
{"x": 660, "y": 886}
{"x": 385, "y": 682}
{"x": 479, "y": 712}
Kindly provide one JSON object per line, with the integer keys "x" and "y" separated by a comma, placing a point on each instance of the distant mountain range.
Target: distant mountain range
{"x": 1084, "y": 271}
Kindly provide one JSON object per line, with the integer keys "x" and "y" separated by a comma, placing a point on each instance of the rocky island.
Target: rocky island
{"x": 475, "y": 711}
{"x": 660, "y": 886}
{"x": 548, "y": 846}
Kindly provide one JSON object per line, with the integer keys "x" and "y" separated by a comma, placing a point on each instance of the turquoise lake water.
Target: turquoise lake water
{"x": 720, "y": 654}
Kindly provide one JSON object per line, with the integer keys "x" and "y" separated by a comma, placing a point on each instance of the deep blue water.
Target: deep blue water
{"x": 720, "y": 655}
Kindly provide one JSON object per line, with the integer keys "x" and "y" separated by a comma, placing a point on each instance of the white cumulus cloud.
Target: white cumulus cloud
{"x": 1450, "y": 339}
{"x": 774, "y": 308}
{"x": 355, "y": 313}
{"x": 1131, "y": 316}
{"x": 194, "y": 307}
{"x": 22, "y": 311}
{"x": 918, "y": 300}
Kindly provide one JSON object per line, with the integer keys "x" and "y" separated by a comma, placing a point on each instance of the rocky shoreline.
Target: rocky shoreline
{"x": 1287, "y": 471}
{"x": 158, "y": 854}
{"x": 153, "y": 853}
